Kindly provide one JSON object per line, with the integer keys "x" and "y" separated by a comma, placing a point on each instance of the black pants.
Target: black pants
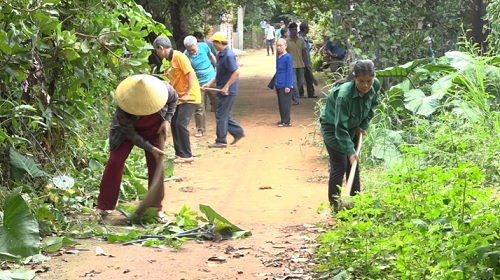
{"x": 180, "y": 130}
{"x": 309, "y": 83}
{"x": 340, "y": 166}
{"x": 284, "y": 105}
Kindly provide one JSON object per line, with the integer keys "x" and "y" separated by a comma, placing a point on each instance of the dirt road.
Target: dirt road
{"x": 285, "y": 161}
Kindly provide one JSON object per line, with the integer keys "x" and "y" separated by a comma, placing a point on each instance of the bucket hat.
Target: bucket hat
{"x": 141, "y": 95}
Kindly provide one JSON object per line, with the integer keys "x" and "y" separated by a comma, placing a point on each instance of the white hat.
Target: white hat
{"x": 141, "y": 95}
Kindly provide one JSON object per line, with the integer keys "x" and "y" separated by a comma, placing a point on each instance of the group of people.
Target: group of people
{"x": 148, "y": 107}
{"x": 293, "y": 69}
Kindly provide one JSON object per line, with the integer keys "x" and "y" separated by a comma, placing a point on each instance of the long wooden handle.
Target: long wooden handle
{"x": 214, "y": 89}
{"x": 350, "y": 180}
{"x": 156, "y": 189}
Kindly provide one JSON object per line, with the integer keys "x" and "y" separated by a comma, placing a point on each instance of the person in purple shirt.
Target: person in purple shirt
{"x": 226, "y": 80}
{"x": 284, "y": 83}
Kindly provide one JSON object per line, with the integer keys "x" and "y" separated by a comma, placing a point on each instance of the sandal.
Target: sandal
{"x": 162, "y": 219}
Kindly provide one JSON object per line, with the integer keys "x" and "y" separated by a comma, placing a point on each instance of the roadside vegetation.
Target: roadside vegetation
{"x": 431, "y": 164}
{"x": 431, "y": 205}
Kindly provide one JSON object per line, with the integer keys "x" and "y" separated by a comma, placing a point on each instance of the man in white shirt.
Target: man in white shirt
{"x": 269, "y": 35}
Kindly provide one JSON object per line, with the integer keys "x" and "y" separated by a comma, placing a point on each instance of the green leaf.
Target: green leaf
{"x": 63, "y": 182}
{"x": 222, "y": 224}
{"x": 494, "y": 258}
{"x": 441, "y": 86}
{"x": 402, "y": 70}
{"x": 18, "y": 274}
{"x": 54, "y": 244}
{"x": 19, "y": 233}
{"x": 135, "y": 62}
{"x": 70, "y": 54}
{"x": 417, "y": 102}
{"x": 169, "y": 167}
{"x": 4, "y": 47}
{"x": 25, "y": 164}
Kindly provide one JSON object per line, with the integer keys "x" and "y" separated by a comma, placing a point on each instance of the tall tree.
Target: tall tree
{"x": 390, "y": 33}
{"x": 184, "y": 17}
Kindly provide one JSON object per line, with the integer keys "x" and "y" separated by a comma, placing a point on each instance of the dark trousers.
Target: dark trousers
{"x": 270, "y": 44}
{"x": 224, "y": 121}
{"x": 180, "y": 131}
{"x": 109, "y": 188}
{"x": 340, "y": 167}
{"x": 284, "y": 104}
{"x": 309, "y": 83}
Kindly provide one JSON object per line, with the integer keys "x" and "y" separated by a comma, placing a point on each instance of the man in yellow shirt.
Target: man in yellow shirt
{"x": 183, "y": 79}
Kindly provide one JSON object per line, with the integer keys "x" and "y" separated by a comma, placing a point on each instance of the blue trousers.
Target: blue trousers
{"x": 225, "y": 123}
{"x": 270, "y": 44}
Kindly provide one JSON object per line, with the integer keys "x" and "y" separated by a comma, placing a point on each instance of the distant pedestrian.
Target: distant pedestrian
{"x": 284, "y": 83}
{"x": 226, "y": 80}
{"x": 308, "y": 75}
{"x": 183, "y": 78}
{"x": 263, "y": 23}
{"x": 349, "y": 108}
{"x": 296, "y": 47}
{"x": 269, "y": 36}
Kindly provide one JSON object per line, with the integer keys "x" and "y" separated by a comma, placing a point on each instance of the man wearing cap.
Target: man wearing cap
{"x": 183, "y": 78}
{"x": 226, "y": 80}
{"x": 145, "y": 106}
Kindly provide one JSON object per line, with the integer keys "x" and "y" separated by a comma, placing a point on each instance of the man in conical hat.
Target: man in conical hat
{"x": 145, "y": 106}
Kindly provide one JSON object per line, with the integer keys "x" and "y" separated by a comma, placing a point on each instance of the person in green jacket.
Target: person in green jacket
{"x": 349, "y": 108}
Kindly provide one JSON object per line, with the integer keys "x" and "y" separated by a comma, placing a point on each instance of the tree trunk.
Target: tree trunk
{"x": 179, "y": 24}
{"x": 476, "y": 13}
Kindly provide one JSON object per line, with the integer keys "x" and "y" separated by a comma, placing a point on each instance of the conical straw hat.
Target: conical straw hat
{"x": 141, "y": 95}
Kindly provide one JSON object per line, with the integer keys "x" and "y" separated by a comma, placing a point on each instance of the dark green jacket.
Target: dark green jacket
{"x": 345, "y": 112}
{"x": 122, "y": 125}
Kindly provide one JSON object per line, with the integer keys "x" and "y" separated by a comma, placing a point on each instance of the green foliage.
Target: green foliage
{"x": 493, "y": 17}
{"x": 222, "y": 226}
{"x": 62, "y": 64}
{"x": 382, "y": 237}
{"x": 437, "y": 133}
{"x": 18, "y": 274}
{"x": 184, "y": 227}
{"x": 391, "y": 34}
{"x": 54, "y": 244}
{"x": 19, "y": 236}
{"x": 21, "y": 165}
